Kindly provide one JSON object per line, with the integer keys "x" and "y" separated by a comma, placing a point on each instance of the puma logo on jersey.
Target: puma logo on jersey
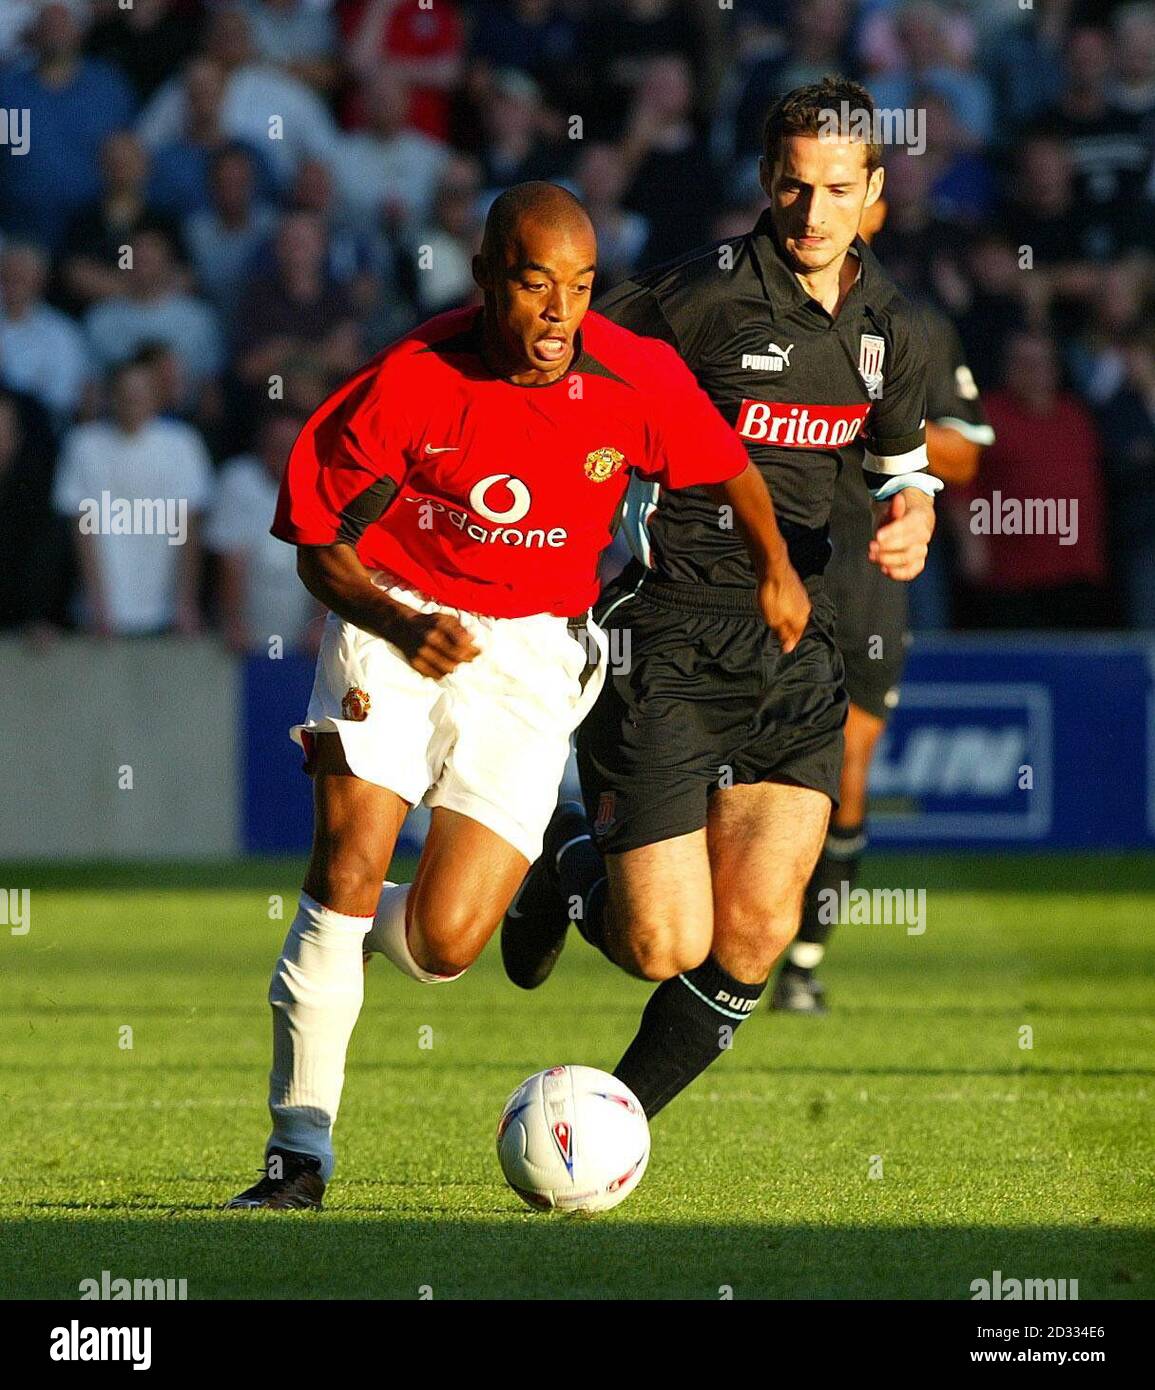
{"x": 774, "y": 359}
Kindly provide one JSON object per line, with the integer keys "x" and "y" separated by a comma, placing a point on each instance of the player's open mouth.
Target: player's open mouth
{"x": 552, "y": 349}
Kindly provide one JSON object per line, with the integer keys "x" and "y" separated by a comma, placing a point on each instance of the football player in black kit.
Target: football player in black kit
{"x": 711, "y": 760}
{"x": 871, "y": 630}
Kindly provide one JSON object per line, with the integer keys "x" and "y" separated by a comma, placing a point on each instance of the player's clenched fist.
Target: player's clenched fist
{"x": 785, "y": 605}
{"x": 903, "y": 533}
{"x": 434, "y": 643}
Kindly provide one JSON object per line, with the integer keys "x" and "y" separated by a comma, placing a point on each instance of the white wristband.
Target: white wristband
{"x": 925, "y": 482}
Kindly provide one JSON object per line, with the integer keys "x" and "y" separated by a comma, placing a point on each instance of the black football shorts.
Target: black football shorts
{"x": 871, "y": 610}
{"x": 698, "y": 696}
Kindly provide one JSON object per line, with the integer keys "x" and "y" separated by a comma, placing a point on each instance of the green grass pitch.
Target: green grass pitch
{"x": 985, "y": 1154}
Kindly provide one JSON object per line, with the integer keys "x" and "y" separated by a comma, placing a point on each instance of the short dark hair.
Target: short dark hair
{"x": 806, "y": 111}
{"x": 549, "y": 202}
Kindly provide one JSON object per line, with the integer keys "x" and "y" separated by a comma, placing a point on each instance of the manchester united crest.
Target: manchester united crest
{"x": 602, "y": 464}
{"x": 356, "y": 705}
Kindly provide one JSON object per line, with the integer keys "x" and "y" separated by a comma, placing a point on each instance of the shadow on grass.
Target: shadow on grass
{"x": 350, "y": 1252}
{"x": 1018, "y": 872}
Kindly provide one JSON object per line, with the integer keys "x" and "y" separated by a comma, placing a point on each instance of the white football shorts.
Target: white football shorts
{"x": 490, "y": 740}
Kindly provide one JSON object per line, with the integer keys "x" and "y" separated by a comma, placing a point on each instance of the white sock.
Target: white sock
{"x": 389, "y": 936}
{"x": 316, "y": 993}
{"x": 807, "y": 955}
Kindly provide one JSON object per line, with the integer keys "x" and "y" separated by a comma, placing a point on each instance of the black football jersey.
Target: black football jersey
{"x": 808, "y": 394}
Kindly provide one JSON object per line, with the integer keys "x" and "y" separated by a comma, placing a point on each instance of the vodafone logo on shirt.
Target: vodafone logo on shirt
{"x": 801, "y": 426}
{"x": 492, "y": 490}
{"x": 502, "y": 499}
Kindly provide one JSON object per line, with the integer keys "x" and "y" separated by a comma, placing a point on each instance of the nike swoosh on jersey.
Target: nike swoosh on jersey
{"x": 441, "y": 448}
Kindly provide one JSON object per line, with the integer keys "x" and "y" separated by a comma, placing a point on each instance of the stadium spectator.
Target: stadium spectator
{"x": 1097, "y": 356}
{"x": 623, "y": 40}
{"x": 223, "y": 238}
{"x": 298, "y": 36}
{"x": 133, "y": 488}
{"x": 16, "y": 20}
{"x": 1022, "y": 57}
{"x": 916, "y": 245}
{"x": 515, "y": 144}
{"x": 167, "y": 377}
{"x": 386, "y": 174}
{"x": 817, "y": 41}
{"x": 295, "y": 309}
{"x": 962, "y": 184}
{"x": 600, "y": 178}
{"x": 91, "y": 267}
{"x": 42, "y": 351}
{"x": 424, "y": 44}
{"x": 538, "y": 37}
{"x": 147, "y": 39}
{"x": 32, "y": 539}
{"x": 936, "y": 53}
{"x": 181, "y": 167}
{"x": 1072, "y": 241}
{"x": 441, "y": 252}
{"x": 989, "y": 297}
{"x": 255, "y": 92}
{"x": 665, "y": 156}
{"x": 356, "y": 258}
{"x": 259, "y": 595}
{"x": 1127, "y": 422}
{"x": 1109, "y": 149}
{"x": 1133, "y": 89}
{"x": 154, "y": 305}
{"x": 73, "y": 102}
{"x": 1032, "y": 524}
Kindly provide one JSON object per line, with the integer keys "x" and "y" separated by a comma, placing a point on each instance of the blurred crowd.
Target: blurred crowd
{"x": 221, "y": 209}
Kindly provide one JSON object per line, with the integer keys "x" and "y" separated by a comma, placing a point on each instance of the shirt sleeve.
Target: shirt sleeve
{"x": 347, "y": 463}
{"x": 690, "y": 444}
{"x": 896, "y": 428}
{"x": 952, "y": 398}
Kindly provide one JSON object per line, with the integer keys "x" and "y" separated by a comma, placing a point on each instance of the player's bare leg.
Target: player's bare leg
{"x": 659, "y": 916}
{"x": 436, "y": 927}
{"x": 797, "y": 990}
{"x": 763, "y": 841}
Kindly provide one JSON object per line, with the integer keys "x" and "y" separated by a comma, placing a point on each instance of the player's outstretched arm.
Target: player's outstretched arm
{"x": 903, "y": 528}
{"x": 433, "y": 643}
{"x": 782, "y": 595}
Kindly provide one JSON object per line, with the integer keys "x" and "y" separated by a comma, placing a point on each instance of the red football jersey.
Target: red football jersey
{"x": 487, "y": 496}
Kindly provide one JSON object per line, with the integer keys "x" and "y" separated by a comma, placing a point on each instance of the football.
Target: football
{"x": 573, "y": 1139}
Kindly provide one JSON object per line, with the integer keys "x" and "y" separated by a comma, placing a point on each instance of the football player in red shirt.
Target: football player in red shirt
{"x": 449, "y": 504}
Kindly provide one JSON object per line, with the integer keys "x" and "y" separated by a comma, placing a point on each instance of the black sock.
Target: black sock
{"x": 582, "y": 875}
{"x": 687, "y": 1023}
{"x": 837, "y": 864}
